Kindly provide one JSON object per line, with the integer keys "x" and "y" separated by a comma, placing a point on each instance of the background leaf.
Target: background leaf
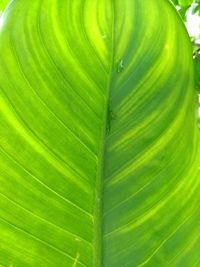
{"x": 197, "y": 71}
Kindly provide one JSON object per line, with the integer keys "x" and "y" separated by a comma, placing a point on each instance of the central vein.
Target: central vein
{"x": 98, "y": 216}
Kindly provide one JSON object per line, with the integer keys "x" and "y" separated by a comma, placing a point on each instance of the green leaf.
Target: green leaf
{"x": 197, "y": 72}
{"x": 99, "y": 145}
{"x": 3, "y": 4}
{"x": 183, "y": 12}
{"x": 185, "y": 3}
{"x": 175, "y": 2}
{"x": 196, "y": 9}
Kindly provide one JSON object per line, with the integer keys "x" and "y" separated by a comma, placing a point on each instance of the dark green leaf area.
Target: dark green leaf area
{"x": 197, "y": 71}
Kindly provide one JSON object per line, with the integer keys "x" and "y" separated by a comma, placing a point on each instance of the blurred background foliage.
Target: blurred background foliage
{"x": 190, "y": 13}
{"x": 185, "y": 5}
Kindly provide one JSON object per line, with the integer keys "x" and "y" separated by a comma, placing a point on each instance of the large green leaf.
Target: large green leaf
{"x": 3, "y": 4}
{"x": 99, "y": 146}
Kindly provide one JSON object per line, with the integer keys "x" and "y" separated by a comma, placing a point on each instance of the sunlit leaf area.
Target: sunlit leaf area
{"x": 99, "y": 133}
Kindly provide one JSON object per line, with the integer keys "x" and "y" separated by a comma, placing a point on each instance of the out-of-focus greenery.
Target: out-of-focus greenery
{"x": 185, "y": 5}
{"x": 192, "y": 6}
{"x": 197, "y": 71}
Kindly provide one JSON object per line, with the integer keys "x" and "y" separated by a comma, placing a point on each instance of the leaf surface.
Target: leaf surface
{"x": 3, "y": 4}
{"x": 99, "y": 146}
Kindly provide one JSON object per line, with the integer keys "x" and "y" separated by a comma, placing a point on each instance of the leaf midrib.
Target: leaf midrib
{"x": 98, "y": 211}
